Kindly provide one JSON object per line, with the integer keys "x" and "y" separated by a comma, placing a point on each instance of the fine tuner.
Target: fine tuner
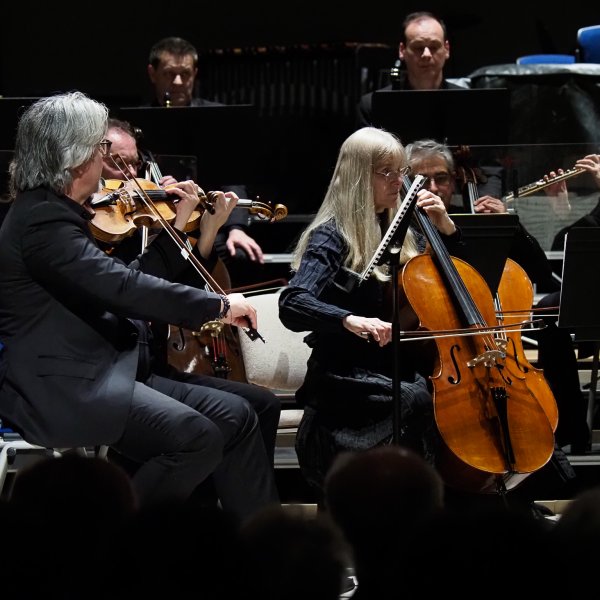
{"x": 540, "y": 184}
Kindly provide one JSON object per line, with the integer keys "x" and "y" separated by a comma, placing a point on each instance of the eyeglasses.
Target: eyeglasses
{"x": 104, "y": 146}
{"x": 392, "y": 175}
{"x": 125, "y": 163}
{"x": 440, "y": 179}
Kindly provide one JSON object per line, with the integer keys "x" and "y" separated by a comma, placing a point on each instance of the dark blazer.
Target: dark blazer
{"x": 71, "y": 353}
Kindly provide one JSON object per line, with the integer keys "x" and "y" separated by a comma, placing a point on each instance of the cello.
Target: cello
{"x": 494, "y": 430}
{"x": 512, "y": 301}
{"x": 213, "y": 350}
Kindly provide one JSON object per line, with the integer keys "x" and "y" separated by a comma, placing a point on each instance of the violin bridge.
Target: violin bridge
{"x": 214, "y": 328}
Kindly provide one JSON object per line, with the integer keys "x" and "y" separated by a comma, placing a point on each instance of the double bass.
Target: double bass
{"x": 494, "y": 429}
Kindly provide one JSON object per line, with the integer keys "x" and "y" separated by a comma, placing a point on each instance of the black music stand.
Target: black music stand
{"x": 452, "y": 116}
{"x": 221, "y": 138}
{"x": 487, "y": 241}
{"x": 580, "y": 287}
{"x": 391, "y": 257}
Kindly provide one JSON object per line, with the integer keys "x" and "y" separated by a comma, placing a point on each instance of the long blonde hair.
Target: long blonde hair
{"x": 349, "y": 199}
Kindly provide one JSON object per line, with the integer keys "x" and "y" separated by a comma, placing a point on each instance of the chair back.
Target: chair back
{"x": 279, "y": 363}
{"x": 588, "y": 44}
{"x": 531, "y": 59}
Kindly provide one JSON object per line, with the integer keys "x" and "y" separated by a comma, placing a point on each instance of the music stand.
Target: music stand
{"x": 487, "y": 241}
{"x": 222, "y": 138}
{"x": 578, "y": 310}
{"x": 452, "y": 116}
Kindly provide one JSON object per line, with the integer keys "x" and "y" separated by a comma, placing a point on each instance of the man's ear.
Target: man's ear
{"x": 77, "y": 172}
{"x": 151, "y": 73}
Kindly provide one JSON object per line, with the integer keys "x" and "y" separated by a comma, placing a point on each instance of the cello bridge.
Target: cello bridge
{"x": 489, "y": 358}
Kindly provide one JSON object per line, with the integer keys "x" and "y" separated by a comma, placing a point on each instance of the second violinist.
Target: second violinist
{"x": 124, "y": 146}
{"x": 123, "y": 160}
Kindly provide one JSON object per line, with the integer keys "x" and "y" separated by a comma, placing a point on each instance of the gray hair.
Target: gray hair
{"x": 54, "y": 136}
{"x": 424, "y": 149}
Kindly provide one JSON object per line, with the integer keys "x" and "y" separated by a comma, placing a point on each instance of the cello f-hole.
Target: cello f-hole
{"x": 451, "y": 378}
{"x": 515, "y": 355}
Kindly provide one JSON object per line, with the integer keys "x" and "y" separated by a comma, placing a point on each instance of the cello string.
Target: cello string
{"x": 471, "y": 310}
{"x": 420, "y": 338}
{"x": 537, "y": 324}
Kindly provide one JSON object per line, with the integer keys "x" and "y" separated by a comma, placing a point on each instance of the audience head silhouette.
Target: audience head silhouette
{"x": 379, "y": 490}
{"x": 292, "y": 556}
{"x": 379, "y": 497}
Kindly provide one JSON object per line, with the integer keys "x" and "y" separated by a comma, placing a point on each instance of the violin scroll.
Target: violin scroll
{"x": 255, "y": 207}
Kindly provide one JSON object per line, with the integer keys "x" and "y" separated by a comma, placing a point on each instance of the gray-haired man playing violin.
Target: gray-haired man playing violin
{"x": 73, "y": 354}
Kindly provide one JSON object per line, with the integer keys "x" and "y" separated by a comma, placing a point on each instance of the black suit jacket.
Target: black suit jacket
{"x": 71, "y": 352}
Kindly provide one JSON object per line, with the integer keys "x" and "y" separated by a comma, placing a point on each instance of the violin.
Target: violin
{"x": 120, "y": 209}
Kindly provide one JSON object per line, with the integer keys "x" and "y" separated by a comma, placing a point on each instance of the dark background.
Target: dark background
{"x": 102, "y": 49}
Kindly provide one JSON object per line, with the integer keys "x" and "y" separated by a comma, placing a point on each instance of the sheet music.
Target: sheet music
{"x": 407, "y": 203}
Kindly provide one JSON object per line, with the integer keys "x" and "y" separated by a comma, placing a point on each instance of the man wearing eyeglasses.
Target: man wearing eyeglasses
{"x": 423, "y": 50}
{"x": 125, "y": 157}
{"x": 120, "y": 147}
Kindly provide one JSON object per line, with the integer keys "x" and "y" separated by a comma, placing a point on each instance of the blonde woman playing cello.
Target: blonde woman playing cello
{"x": 347, "y": 393}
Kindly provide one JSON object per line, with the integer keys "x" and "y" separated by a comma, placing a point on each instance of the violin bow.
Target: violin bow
{"x": 186, "y": 253}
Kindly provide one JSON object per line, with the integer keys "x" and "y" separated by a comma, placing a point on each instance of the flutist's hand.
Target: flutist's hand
{"x": 591, "y": 163}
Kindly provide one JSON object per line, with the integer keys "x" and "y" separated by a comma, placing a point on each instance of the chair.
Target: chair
{"x": 536, "y": 59}
{"x": 279, "y": 364}
{"x": 16, "y": 454}
{"x": 588, "y": 44}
